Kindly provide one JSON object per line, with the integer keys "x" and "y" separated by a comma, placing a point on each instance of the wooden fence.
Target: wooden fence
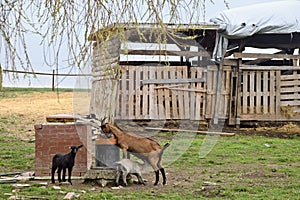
{"x": 53, "y": 75}
{"x": 269, "y": 93}
{"x": 172, "y": 92}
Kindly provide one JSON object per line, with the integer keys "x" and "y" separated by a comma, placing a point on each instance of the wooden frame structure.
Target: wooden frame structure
{"x": 266, "y": 92}
{"x": 148, "y": 73}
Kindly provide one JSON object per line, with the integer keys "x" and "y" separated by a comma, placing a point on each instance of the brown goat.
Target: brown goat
{"x": 144, "y": 148}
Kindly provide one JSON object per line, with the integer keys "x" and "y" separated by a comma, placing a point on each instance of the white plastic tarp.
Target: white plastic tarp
{"x": 278, "y": 17}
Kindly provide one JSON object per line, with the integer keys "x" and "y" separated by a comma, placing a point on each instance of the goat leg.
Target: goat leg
{"x": 125, "y": 173}
{"x": 118, "y": 176}
{"x": 124, "y": 153}
{"x": 156, "y": 177}
{"x": 64, "y": 175}
{"x": 162, "y": 170}
{"x": 59, "y": 174}
{"x": 69, "y": 175}
{"x": 140, "y": 179}
{"x": 52, "y": 174}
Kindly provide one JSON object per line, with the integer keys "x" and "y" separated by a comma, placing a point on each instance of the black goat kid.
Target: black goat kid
{"x": 62, "y": 162}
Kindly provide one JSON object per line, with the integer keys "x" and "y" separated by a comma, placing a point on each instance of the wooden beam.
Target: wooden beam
{"x": 173, "y": 81}
{"x": 265, "y": 56}
{"x": 261, "y": 60}
{"x": 181, "y": 89}
{"x": 191, "y": 131}
{"x": 255, "y": 67}
{"x": 187, "y": 54}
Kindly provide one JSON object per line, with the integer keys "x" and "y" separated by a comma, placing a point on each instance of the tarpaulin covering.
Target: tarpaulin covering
{"x": 279, "y": 17}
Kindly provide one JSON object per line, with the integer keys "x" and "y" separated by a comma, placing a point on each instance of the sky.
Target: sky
{"x": 39, "y": 64}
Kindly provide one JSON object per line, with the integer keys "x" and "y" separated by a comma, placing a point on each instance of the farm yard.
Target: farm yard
{"x": 256, "y": 163}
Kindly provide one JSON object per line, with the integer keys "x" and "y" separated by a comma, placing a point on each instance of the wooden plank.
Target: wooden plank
{"x": 214, "y": 89}
{"x": 174, "y": 95}
{"x": 167, "y": 98}
{"x": 233, "y": 97}
{"x": 261, "y": 60}
{"x": 191, "y": 131}
{"x": 290, "y": 96}
{"x": 152, "y": 96}
{"x": 268, "y": 117}
{"x": 238, "y": 96}
{"x": 272, "y": 92}
{"x": 230, "y": 62}
{"x": 162, "y": 52}
{"x": 173, "y": 81}
{"x": 181, "y": 89}
{"x": 278, "y": 90}
{"x": 291, "y": 77}
{"x": 200, "y": 98}
{"x": 267, "y": 68}
{"x": 193, "y": 105}
{"x": 186, "y": 96}
{"x": 180, "y": 94}
{"x": 290, "y": 83}
{"x": 265, "y": 92}
{"x": 289, "y": 89}
{"x": 245, "y": 93}
{"x": 145, "y": 98}
{"x": 138, "y": 92}
{"x": 227, "y": 70}
{"x": 209, "y": 86}
{"x": 131, "y": 103}
{"x": 258, "y": 92}
{"x": 124, "y": 94}
{"x": 265, "y": 56}
{"x": 218, "y": 101}
{"x": 290, "y": 103}
{"x": 251, "y": 92}
{"x": 160, "y": 96}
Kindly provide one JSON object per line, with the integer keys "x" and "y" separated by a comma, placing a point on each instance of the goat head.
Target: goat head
{"x": 75, "y": 148}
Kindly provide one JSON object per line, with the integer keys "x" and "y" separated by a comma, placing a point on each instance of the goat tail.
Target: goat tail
{"x": 166, "y": 146}
{"x": 163, "y": 149}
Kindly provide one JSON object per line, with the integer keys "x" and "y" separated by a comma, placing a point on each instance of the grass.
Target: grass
{"x": 16, "y": 154}
{"x": 8, "y": 92}
{"x": 239, "y": 167}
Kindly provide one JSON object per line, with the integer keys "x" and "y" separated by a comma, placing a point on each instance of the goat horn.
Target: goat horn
{"x": 103, "y": 120}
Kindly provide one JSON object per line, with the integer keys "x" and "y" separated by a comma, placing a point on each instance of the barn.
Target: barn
{"x": 196, "y": 72}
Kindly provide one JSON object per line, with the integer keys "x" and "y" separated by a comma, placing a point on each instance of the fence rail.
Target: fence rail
{"x": 53, "y": 75}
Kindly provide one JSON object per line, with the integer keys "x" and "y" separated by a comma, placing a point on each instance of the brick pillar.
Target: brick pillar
{"x": 55, "y": 138}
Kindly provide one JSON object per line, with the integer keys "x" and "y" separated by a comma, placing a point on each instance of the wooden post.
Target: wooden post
{"x": 0, "y": 78}
{"x": 219, "y": 82}
{"x": 53, "y": 79}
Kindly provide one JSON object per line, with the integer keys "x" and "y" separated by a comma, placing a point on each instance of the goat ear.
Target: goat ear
{"x": 80, "y": 146}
